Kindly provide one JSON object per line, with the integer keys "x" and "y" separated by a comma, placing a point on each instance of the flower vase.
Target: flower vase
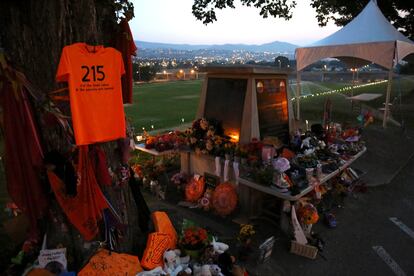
{"x": 237, "y": 159}
{"x": 145, "y": 182}
{"x": 245, "y": 250}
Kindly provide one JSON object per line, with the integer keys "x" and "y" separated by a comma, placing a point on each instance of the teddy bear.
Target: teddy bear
{"x": 219, "y": 247}
{"x": 207, "y": 270}
{"x": 173, "y": 263}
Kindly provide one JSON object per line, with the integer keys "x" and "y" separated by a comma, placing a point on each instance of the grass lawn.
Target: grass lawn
{"x": 403, "y": 85}
{"x": 165, "y": 104}
{"x": 312, "y": 108}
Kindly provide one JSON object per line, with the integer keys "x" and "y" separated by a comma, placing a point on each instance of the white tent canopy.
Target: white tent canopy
{"x": 369, "y": 37}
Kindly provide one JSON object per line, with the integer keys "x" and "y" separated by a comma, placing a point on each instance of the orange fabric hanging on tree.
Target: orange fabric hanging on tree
{"x": 23, "y": 153}
{"x": 84, "y": 210}
{"x": 126, "y": 45}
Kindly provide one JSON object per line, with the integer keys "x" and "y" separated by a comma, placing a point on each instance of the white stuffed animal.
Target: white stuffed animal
{"x": 173, "y": 263}
{"x": 207, "y": 270}
{"x": 215, "y": 270}
{"x": 219, "y": 247}
{"x": 155, "y": 272}
{"x": 306, "y": 143}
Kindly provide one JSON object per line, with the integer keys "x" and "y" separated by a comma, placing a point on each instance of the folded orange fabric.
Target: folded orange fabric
{"x": 106, "y": 263}
{"x": 84, "y": 210}
{"x": 162, "y": 224}
{"x": 157, "y": 244}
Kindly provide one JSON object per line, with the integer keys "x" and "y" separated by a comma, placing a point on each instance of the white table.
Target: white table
{"x": 250, "y": 198}
{"x": 365, "y": 97}
{"x": 153, "y": 152}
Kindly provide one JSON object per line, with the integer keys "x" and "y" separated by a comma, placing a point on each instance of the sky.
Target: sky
{"x": 171, "y": 21}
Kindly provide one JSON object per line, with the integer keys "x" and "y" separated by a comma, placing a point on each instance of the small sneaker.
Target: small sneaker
{"x": 330, "y": 220}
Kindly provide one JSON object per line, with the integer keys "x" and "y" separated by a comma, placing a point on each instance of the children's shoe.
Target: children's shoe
{"x": 330, "y": 220}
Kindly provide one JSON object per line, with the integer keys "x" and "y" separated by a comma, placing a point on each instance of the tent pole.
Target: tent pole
{"x": 298, "y": 95}
{"x": 387, "y": 99}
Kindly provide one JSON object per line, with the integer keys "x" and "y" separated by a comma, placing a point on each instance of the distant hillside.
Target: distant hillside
{"x": 275, "y": 47}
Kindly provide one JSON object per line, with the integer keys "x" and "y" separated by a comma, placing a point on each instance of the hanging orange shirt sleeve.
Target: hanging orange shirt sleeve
{"x": 63, "y": 71}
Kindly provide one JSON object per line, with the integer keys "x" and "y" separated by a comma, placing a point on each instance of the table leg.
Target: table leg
{"x": 285, "y": 219}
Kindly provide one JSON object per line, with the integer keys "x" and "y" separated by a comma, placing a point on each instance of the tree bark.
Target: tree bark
{"x": 33, "y": 34}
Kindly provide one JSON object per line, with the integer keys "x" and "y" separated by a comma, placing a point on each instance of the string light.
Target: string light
{"x": 343, "y": 89}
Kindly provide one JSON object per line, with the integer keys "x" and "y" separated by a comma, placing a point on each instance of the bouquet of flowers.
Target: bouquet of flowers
{"x": 207, "y": 137}
{"x": 163, "y": 142}
{"x": 151, "y": 170}
{"x": 246, "y": 232}
{"x": 179, "y": 179}
{"x": 194, "y": 238}
{"x": 137, "y": 170}
{"x": 241, "y": 151}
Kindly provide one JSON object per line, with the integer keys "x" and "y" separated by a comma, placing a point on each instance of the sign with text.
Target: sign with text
{"x": 48, "y": 256}
{"x": 211, "y": 180}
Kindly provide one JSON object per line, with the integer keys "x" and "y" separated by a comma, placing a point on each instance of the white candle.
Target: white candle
{"x": 307, "y": 125}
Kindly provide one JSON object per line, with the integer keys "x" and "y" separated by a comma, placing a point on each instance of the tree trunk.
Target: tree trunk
{"x": 33, "y": 34}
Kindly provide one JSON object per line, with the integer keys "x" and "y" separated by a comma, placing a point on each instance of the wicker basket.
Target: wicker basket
{"x": 304, "y": 250}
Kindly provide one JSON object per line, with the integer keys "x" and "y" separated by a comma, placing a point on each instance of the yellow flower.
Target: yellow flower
{"x": 204, "y": 124}
{"x": 209, "y": 145}
{"x": 210, "y": 133}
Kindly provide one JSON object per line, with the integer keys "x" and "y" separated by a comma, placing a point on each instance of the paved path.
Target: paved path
{"x": 375, "y": 235}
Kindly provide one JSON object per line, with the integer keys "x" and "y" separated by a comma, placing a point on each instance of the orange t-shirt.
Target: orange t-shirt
{"x": 95, "y": 91}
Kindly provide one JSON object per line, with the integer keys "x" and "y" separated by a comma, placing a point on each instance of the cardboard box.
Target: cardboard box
{"x": 304, "y": 250}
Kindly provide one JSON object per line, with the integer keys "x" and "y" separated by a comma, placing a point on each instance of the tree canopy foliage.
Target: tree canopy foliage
{"x": 399, "y": 12}
{"x": 205, "y": 10}
{"x": 281, "y": 61}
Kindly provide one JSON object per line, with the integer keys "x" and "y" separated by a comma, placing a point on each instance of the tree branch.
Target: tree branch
{"x": 205, "y": 10}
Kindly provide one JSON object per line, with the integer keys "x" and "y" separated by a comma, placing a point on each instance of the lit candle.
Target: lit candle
{"x": 234, "y": 137}
{"x": 307, "y": 125}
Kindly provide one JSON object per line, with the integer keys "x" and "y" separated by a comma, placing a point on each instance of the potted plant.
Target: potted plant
{"x": 229, "y": 148}
{"x": 193, "y": 239}
{"x": 243, "y": 152}
{"x": 179, "y": 180}
{"x": 245, "y": 237}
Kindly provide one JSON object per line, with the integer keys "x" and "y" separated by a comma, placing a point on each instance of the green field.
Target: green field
{"x": 164, "y": 105}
